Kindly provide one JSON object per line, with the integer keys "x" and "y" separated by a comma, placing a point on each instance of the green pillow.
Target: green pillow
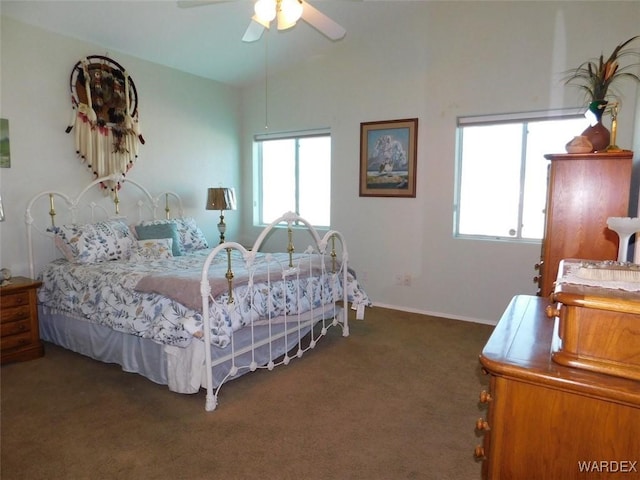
{"x": 162, "y": 230}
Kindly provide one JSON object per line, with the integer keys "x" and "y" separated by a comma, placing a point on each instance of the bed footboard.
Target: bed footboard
{"x": 315, "y": 281}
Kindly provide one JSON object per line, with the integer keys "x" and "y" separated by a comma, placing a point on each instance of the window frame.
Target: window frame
{"x": 258, "y": 219}
{"x": 523, "y": 118}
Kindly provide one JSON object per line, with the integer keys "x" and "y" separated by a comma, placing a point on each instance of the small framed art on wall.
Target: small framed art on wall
{"x": 388, "y": 158}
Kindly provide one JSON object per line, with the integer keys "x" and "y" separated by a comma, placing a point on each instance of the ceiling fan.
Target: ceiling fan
{"x": 285, "y": 12}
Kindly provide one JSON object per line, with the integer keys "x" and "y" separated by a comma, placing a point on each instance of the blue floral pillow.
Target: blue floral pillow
{"x": 190, "y": 234}
{"x": 94, "y": 242}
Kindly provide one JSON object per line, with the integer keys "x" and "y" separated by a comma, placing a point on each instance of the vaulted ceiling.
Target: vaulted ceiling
{"x": 205, "y": 40}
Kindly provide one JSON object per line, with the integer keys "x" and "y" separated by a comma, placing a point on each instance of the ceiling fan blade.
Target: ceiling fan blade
{"x": 198, "y": 3}
{"x": 322, "y": 23}
{"x": 254, "y": 31}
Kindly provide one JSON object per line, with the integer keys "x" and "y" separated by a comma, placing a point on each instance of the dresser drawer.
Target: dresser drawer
{"x": 14, "y": 328}
{"x": 15, "y": 314}
{"x": 14, "y": 341}
{"x": 14, "y": 300}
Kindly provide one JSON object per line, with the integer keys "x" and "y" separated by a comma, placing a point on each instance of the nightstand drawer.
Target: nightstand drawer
{"x": 14, "y": 300}
{"x": 13, "y": 328}
{"x": 9, "y": 315}
{"x": 14, "y": 341}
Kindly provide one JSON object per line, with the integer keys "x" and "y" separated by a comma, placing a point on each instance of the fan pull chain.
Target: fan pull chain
{"x": 266, "y": 81}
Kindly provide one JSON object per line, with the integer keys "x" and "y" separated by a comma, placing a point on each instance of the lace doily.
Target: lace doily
{"x": 605, "y": 274}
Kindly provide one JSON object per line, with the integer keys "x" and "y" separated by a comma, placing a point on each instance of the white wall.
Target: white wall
{"x": 191, "y": 127}
{"x": 431, "y": 60}
{"x": 437, "y": 61}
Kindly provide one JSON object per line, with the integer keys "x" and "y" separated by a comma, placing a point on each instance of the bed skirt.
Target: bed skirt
{"x": 181, "y": 369}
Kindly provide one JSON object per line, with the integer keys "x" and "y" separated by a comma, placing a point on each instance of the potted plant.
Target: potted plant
{"x": 596, "y": 79}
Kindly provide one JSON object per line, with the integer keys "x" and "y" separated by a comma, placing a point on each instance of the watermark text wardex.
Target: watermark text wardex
{"x": 610, "y": 466}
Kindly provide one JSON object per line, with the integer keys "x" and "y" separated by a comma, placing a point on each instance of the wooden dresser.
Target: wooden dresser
{"x": 550, "y": 421}
{"x": 19, "y": 332}
{"x": 583, "y": 191}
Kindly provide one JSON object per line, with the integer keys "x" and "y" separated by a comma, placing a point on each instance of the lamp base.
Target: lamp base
{"x": 222, "y": 227}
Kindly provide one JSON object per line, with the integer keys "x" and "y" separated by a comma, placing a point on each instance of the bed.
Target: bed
{"x": 146, "y": 291}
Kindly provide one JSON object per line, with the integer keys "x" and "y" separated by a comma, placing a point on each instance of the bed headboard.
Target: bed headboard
{"x": 49, "y": 208}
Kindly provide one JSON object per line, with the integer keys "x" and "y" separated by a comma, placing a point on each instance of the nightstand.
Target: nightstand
{"x": 19, "y": 332}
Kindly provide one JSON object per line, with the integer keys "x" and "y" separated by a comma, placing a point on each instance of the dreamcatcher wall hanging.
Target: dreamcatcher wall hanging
{"x": 105, "y": 118}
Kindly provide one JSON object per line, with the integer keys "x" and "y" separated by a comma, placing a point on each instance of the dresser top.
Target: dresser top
{"x": 520, "y": 348}
{"x": 620, "y": 155}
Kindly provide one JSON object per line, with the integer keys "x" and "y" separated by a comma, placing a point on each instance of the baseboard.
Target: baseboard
{"x": 436, "y": 314}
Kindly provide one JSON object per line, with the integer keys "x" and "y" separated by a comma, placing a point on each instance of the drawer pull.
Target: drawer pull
{"x": 478, "y": 453}
{"x": 482, "y": 425}
{"x": 552, "y": 311}
{"x": 485, "y": 397}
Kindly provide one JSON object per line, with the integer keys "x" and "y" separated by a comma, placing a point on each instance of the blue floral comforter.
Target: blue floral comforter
{"x": 105, "y": 294}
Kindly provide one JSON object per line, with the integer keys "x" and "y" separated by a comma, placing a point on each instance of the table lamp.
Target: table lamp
{"x": 221, "y": 198}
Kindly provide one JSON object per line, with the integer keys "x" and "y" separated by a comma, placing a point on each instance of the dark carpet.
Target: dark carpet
{"x": 397, "y": 399}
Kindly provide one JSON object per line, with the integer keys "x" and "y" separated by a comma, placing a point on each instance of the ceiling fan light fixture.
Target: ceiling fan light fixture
{"x": 288, "y": 13}
{"x": 265, "y": 11}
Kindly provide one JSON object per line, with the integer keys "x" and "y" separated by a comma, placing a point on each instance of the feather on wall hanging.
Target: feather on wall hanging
{"x": 105, "y": 118}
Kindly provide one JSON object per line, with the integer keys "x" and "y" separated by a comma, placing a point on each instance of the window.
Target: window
{"x": 294, "y": 174}
{"x": 501, "y": 177}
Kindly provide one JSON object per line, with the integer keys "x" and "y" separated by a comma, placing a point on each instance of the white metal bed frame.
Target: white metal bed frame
{"x": 323, "y": 246}
{"x": 288, "y": 329}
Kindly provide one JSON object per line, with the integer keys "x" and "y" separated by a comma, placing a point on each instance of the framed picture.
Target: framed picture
{"x": 388, "y": 158}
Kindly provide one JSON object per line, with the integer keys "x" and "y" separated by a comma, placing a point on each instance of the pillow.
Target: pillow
{"x": 156, "y": 249}
{"x": 191, "y": 237}
{"x": 94, "y": 242}
{"x": 161, "y": 230}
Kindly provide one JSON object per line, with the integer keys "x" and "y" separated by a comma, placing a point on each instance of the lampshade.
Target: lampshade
{"x": 221, "y": 198}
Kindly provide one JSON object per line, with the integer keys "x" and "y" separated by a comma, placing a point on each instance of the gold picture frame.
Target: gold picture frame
{"x": 388, "y": 158}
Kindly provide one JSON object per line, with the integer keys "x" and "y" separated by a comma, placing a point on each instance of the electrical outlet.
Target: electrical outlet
{"x": 402, "y": 279}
